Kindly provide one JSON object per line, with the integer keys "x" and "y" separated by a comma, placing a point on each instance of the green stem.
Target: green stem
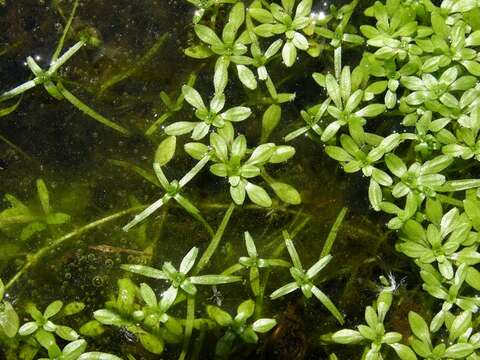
{"x": 147, "y": 212}
{"x": 233, "y": 269}
{"x": 337, "y": 59}
{"x": 59, "y": 48}
{"x": 205, "y": 259}
{"x": 188, "y": 327}
{"x": 194, "y": 171}
{"x": 17, "y": 149}
{"x": 332, "y": 235}
{"x": 89, "y": 111}
{"x": 138, "y": 64}
{"x": 450, "y": 200}
{"x": 157, "y": 123}
{"x": 276, "y": 254}
{"x": 20, "y": 89}
{"x": 158, "y": 232}
{"x": 65, "y": 57}
{"x": 33, "y": 259}
{"x": 192, "y": 78}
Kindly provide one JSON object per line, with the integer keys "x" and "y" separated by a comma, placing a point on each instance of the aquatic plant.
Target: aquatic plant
{"x": 402, "y": 112}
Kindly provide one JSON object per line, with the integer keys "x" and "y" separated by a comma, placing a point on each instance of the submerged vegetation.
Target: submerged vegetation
{"x": 387, "y": 89}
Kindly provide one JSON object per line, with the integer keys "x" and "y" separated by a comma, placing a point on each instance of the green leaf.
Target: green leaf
{"x": 53, "y": 309}
{"x": 333, "y": 90}
{"x": 220, "y": 146}
{"x": 347, "y": 336}
{"x": 196, "y": 150}
{"x": 95, "y": 355}
{"x": 264, "y": 325}
{"x": 180, "y": 128}
{"x": 286, "y": 193}
{"x": 198, "y": 52}
{"x": 289, "y": 54}
{"x": 235, "y": 20}
{"x": 281, "y": 154}
{"x": 473, "y": 67}
{"x": 375, "y": 195}
{"x": 261, "y": 154}
{"x": 258, "y": 195}
{"x": 236, "y": 114}
{"x": 214, "y": 279}
{"x": 238, "y": 193}
{"x": 221, "y": 317}
{"x": 193, "y": 97}
{"x": 9, "y": 321}
{"x": 31, "y": 229}
{"x": 188, "y": 260}
{"x": 270, "y": 120}
{"x": 395, "y": 165}
{"x": 145, "y": 271}
{"x": 92, "y": 328}
{"x": 74, "y": 349}
{"x": 220, "y": 77}
{"x": 207, "y": 35}
{"x": 404, "y": 352}
{"x": 338, "y": 153}
{"x": 151, "y": 343}
{"x": 200, "y": 131}
{"x": 148, "y": 295}
{"x": 261, "y": 15}
{"x": 419, "y": 327}
{"x": 245, "y": 310}
{"x": 459, "y": 351}
{"x": 247, "y": 77}
{"x": 44, "y": 196}
{"x": 165, "y": 151}
{"x": 66, "y": 333}
{"x": 325, "y": 300}
{"x": 371, "y": 110}
{"x": 300, "y": 41}
{"x": 461, "y": 324}
{"x": 108, "y": 317}
{"x": 47, "y": 340}
{"x": 57, "y": 218}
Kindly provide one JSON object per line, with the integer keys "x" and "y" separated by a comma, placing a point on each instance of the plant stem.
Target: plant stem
{"x": 204, "y": 260}
{"x": 8, "y": 110}
{"x": 147, "y": 212}
{"x": 89, "y": 111}
{"x": 276, "y": 253}
{"x": 59, "y": 48}
{"x": 138, "y": 64}
{"x": 17, "y": 149}
{"x": 194, "y": 171}
{"x": 188, "y": 326}
{"x": 20, "y": 89}
{"x": 33, "y": 259}
{"x": 55, "y": 65}
{"x": 332, "y": 235}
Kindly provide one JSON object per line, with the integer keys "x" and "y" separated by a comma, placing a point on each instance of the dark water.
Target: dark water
{"x": 73, "y": 154}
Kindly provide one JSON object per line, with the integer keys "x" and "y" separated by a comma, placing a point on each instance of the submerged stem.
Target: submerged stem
{"x": 138, "y": 64}
{"x": 16, "y": 148}
{"x": 215, "y": 240}
{"x": 276, "y": 253}
{"x": 332, "y": 235}
{"x": 20, "y": 89}
{"x": 33, "y": 259}
{"x": 89, "y": 111}
{"x": 59, "y": 48}
{"x": 188, "y": 326}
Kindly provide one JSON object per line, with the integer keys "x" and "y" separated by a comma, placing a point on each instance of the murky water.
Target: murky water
{"x": 73, "y": 154}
